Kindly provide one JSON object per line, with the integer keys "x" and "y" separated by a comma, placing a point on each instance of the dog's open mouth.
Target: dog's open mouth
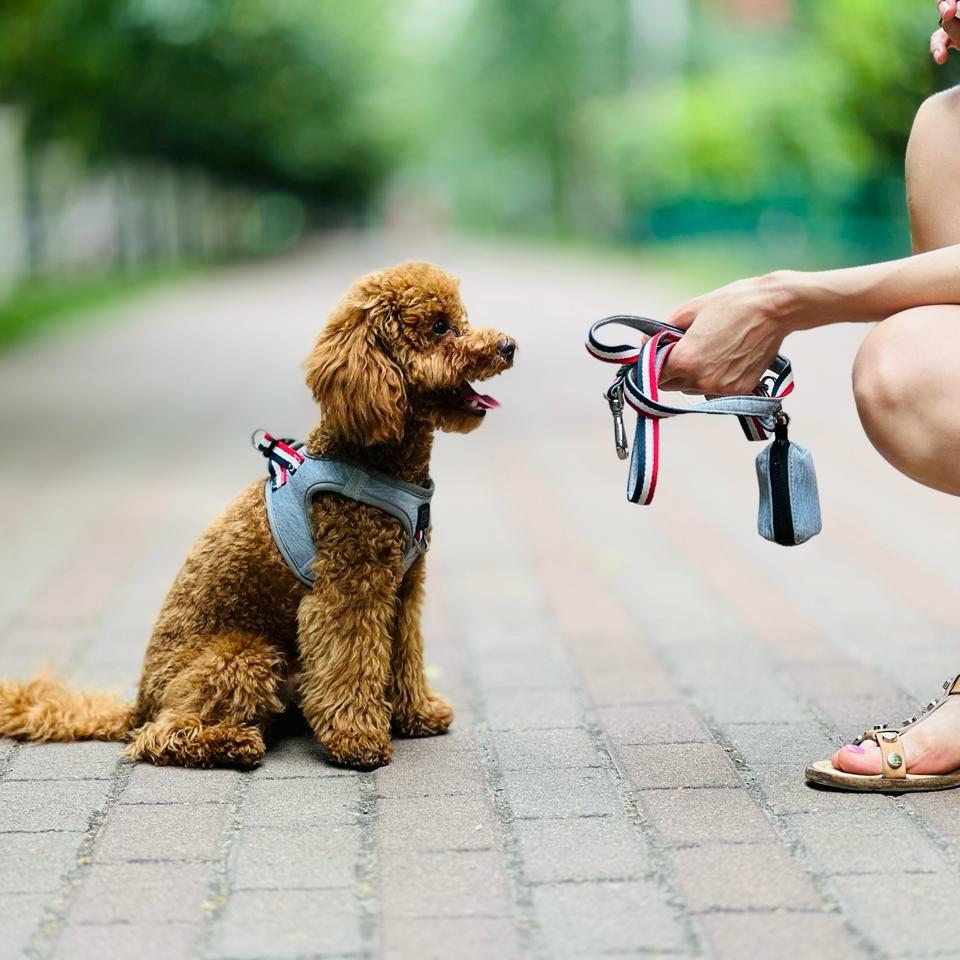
{"x": 467, "y": 399}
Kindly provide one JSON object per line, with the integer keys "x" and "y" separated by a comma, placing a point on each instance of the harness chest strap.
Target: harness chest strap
{"x": 291, "y": 488}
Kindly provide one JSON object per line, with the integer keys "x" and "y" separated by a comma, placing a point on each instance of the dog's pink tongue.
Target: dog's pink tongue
{"x": 479, "y": 399}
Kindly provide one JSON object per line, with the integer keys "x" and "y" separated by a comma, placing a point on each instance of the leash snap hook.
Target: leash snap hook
{"x": 614, "y": 397}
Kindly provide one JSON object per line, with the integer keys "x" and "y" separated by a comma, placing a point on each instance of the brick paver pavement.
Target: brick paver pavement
{"x": 637, "y": 689}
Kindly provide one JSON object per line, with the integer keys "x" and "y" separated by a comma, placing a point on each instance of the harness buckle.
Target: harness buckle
{"x": 614, "y": 397}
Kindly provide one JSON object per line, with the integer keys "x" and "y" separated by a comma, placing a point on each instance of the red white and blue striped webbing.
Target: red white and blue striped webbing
{"x": 284, "y": 457}
{"x": 637, "y": 384}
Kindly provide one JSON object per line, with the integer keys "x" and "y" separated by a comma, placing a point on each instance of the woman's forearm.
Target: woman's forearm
{"x": 874, "y": 292}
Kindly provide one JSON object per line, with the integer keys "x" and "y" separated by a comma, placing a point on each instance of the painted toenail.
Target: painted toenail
{"x": 855, "y": 747}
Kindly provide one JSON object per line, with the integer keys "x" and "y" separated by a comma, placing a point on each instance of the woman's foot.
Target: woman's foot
{"x": 931, "y": 746}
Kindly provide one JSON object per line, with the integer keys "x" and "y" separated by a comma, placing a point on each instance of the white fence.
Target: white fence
{"x": 59, "y": 217}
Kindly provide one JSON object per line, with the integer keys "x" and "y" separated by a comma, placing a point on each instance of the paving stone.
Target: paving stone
{"x": 452, "y": 884}
{"x": 436, "y": 938}
{"x": 786, "y": 791}
{"x": 759, "y": 936}
{"x": 308, "y": 802}
{"x": 531, "y": 667}
{"x": 443, "y": 772}
{"x": 436, "y": 823}
{"x": 723, "y": 815}
{"x": 460, "y": 738}
{"x": 276, "y": 924}
{"x": 579, "y": 920}
{"x": 752, "y": 876}
{"x": 36, "y": 862}
{"x": 533, "y": 710}
{"x": 878, "y": 839}
{"x": 905, "y": 914}
{"x": 20, "y": 915}
{"x": 265, "y": 859}
{"x": 50, "y": 804}
{"x": 664, "y": 766}
{"x": 166, "y": 831}
{"x": 297, "y": 757}
{"x": 171, "y": 941}
{"x": 150, "y": 784}
{"x": 852, "y": 715}
{"x": 611, "y": 685}
{"x": 561, "y": 793}
{"x": 746, "y": 699}
{"x": 653, "y": 723}
{"x": 580, "y": 848}
{"x": 941, "y": 810}
{"x": 131, "y": 893}
{"x": 65, "y": 761}
{"x": 544, "y": 749}
{"x": 799, "y": 743}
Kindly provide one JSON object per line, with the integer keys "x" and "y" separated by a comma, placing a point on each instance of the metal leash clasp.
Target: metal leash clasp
{"x": 614, "y": 397}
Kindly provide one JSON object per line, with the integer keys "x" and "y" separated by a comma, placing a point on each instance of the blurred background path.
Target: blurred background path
{"x": 637, "y": 689}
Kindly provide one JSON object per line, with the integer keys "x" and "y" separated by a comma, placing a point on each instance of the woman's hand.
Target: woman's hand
{"x": 948, "y": 35}
{"x": 732, "y": 336}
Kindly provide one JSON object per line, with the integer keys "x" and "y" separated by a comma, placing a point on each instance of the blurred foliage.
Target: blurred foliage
{"x": 40, "y": 305}
{"x": 268, "y": 93}
{"x": 596, "y": 120}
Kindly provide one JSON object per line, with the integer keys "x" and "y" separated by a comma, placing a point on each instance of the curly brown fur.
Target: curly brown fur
{"x": 238, "y": 633}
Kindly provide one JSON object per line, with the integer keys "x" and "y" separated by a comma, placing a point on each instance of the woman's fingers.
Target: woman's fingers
{"x": 947, "y": 9}
{"x": 683, "y": 316}
{"x": 952, "y": 29}
{"x": 939, "y": 44}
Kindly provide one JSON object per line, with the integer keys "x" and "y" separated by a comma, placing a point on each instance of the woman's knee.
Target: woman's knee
{"x": 904, "y": 382}
{"x": 881, "y": 378}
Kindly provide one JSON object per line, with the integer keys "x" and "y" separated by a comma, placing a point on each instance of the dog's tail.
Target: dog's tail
{"x": 44, "y": 709}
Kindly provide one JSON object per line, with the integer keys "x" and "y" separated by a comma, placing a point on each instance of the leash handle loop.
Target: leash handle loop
{"x": 637, "y": 383}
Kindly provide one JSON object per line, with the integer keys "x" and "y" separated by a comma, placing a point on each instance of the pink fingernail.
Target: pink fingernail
{"x": 944, "y": 7}
{"x": 856, "y": 748}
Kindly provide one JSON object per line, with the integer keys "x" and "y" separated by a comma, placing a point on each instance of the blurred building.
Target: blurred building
{"x": 762, "y": 12}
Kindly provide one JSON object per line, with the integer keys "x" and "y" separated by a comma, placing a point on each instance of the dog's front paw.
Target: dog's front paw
{"x": 427, "y": 718}
{"x": 356, "y": 749}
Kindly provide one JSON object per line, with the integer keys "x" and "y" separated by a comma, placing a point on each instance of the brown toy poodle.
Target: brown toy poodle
{"x": 239, "y": 634}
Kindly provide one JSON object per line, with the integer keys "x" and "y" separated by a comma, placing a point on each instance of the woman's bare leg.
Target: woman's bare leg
{"x": 906, "y": 381}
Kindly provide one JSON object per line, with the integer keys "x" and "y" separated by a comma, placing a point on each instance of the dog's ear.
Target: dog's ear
{"x": 359, "y": 387}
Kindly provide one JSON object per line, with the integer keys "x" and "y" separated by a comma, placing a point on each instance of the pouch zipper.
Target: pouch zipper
{"x": 780, "y": 488}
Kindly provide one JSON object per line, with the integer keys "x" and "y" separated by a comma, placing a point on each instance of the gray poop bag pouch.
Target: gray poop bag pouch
{"x": 789, "y": 500}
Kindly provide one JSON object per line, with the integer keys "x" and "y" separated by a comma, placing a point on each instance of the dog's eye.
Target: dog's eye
{"x": 441, "y": 327}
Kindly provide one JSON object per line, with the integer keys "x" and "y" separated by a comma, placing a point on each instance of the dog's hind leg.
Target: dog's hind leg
{"x": 417, "y": 711}
{"x": 212, "y": 710}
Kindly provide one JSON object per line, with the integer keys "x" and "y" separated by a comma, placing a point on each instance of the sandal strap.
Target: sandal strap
{"x": 891, "y": 753}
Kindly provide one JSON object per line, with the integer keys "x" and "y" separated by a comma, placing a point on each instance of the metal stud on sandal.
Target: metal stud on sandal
{"x": 894, "y": 777}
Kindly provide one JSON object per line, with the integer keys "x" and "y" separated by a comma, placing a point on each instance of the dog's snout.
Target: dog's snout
{"x": 507, "y": 348}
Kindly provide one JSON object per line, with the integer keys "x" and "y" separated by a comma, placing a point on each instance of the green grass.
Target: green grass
{"x": 39, "y": 306}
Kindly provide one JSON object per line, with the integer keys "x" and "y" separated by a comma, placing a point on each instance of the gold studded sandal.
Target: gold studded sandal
{"x": 894, "y": 778}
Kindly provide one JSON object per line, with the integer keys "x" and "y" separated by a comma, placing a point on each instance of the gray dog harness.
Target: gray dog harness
{"x": 296, "y": 478}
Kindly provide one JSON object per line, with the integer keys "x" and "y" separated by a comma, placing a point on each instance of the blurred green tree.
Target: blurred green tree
{"x": 266, "y": 93}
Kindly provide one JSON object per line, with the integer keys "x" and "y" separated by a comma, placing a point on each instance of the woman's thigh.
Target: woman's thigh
{"x": 933, "y": 172}
{"x": 907, "y": 385}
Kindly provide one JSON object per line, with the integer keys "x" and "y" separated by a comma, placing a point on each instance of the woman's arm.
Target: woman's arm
{"x": 863, "y": 294}
{"x": 734, "y": 332}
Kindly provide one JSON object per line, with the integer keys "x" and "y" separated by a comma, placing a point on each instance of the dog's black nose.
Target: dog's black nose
{"x": 507, "y": 348}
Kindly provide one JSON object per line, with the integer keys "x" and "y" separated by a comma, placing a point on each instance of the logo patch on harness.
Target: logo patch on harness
{"x": 423, "y": 525}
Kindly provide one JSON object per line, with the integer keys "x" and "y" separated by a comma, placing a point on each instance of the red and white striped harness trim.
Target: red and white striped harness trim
{"x": 283, "y": 456}
{"x": 637, "y": 384}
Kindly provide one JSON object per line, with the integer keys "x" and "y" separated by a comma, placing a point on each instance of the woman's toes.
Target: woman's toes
{"x": 854, "y": 758}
